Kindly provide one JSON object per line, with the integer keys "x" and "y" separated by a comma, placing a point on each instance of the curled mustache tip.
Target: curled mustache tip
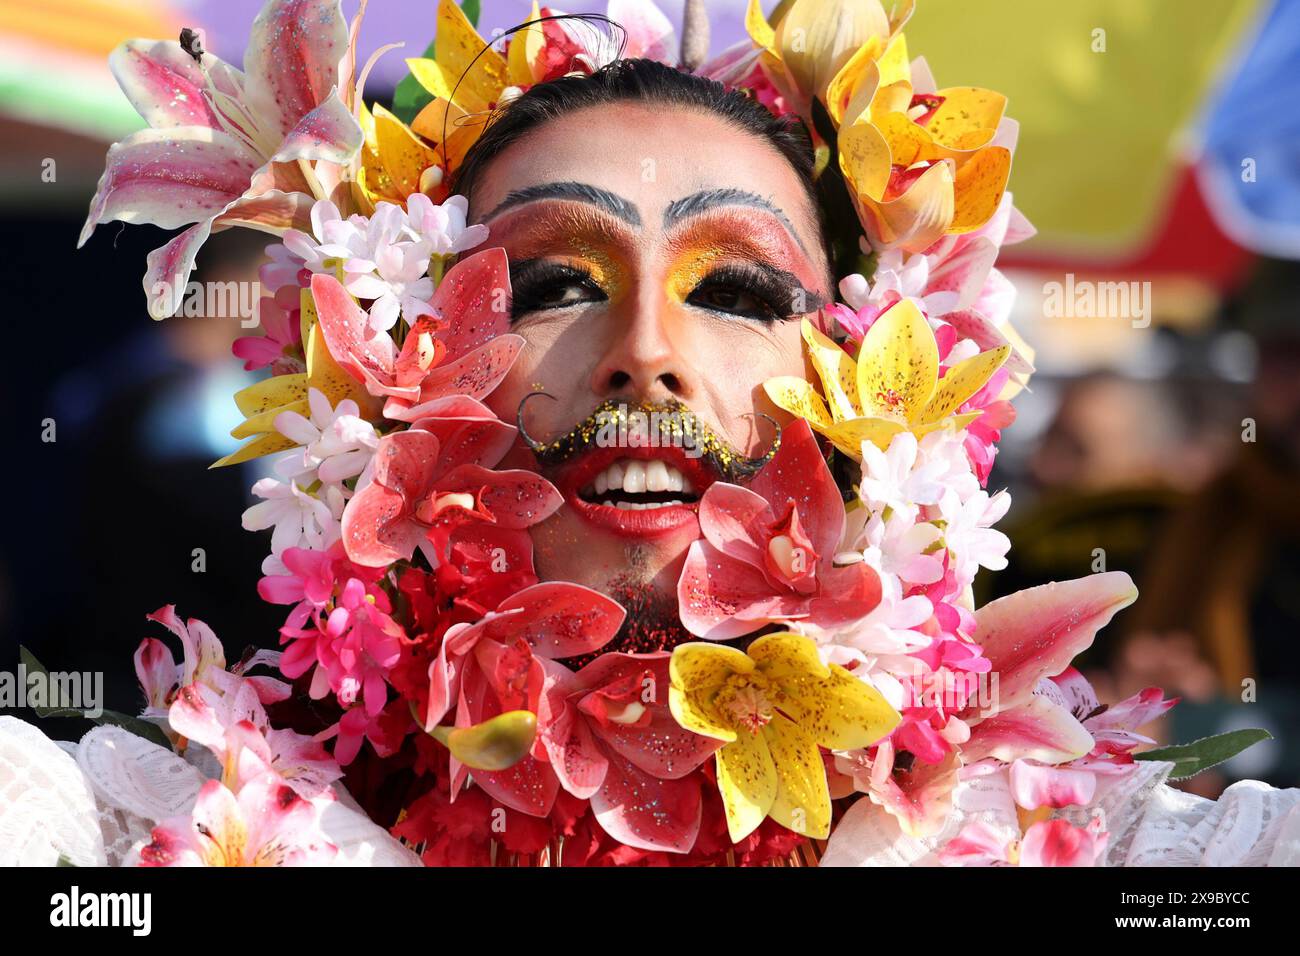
{"x": 751, "y": 466}
{"x": 531, "y": 442}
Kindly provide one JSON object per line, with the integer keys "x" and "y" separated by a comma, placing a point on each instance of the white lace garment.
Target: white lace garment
{"x": 94, "y": 803}
{"x": 1150, "y": 824}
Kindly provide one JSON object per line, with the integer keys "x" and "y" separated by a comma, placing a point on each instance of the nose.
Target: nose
{"x": 642, "y": 359}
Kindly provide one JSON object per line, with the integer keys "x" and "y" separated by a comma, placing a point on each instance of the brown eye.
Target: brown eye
{"x": 747, "y": 291}
{"x": 560, "y": 294}
{"x": 728, "y": 299}
{"x": 538, "y": 286}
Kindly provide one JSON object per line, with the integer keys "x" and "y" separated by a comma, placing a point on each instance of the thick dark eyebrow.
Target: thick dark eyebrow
{"x": 612, "y": 203}
{"x": 708, "y": 199}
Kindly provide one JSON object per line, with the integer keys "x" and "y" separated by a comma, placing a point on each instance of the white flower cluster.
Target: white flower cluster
{"x": 304, "y": 500}
{"x": 384, "y": 258}
{"x": 924, "y": 525}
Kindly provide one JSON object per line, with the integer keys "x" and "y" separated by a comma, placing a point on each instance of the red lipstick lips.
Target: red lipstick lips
{"x": 630, "y": 522}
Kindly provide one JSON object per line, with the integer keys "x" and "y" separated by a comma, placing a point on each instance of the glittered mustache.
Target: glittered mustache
{"x": 616, "y": 424}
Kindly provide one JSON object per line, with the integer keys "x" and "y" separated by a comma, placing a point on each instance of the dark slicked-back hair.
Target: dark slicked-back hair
{"x": 638, "y": 81}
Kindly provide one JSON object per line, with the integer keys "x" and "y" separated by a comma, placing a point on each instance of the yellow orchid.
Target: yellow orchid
{"x": 892, "y": 386}
{"x": 394, "y": 162}
{"x": 773, "y": 706}
{"x": 809, "y": 41}
{"x": 464, "y": 94}
{"x": 262, "y": 401}
{"x": 917, "y": 170}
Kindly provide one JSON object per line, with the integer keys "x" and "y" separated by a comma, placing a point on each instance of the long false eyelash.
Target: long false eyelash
{"x": 780, "y": 294}
{"x": 531, "y": 278}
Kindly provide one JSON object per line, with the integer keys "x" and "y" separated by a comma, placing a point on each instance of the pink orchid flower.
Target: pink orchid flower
{"x": 766, "y": 555}
{"x": 227, "y": 148}
{"x": 265, "y": 824}
{"x": 495, "y": 665}
{"x": 436, "y": 473}
{"x": 464, "y": 348}
{"x": 613, "y": 741}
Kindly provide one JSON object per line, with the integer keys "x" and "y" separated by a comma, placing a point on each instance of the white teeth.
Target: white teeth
{"x": 634, "y": 477}
{"x": 637, "y": 477}
{"x": 656, "y": 476}
{"x": 639, "y": 505}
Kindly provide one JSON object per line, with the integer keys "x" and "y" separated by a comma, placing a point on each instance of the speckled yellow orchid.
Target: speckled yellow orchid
{"x": 811, "y": 40}
{"x": 773, "y": 706}
{"x": 463, "y": 94}
{"x": 919, "y": 165}
{"x": 393, "y": 163}
{"x": 892, "y": 386}
{"x": 874, "y": 81}
{"x": 262, "y": 401}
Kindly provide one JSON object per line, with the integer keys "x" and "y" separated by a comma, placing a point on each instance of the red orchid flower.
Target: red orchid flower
{"x": 479, "y": 566}
{"x": 766, "y": 555}
{"x": 438, "y": 473}
{"x": 465, "y": 349}
{"x": 612, "y": 740}
{"x": 494, "y": 665}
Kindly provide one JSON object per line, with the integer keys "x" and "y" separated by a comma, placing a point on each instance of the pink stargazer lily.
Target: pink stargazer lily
{"x": 203, "y": 660}
{"x": 612, "y": 740}
{"x": 226, "y": 147}
{"x": 495, "y": 665}
{"x": 1029, "y": 636}
{"x": 439, "y": 472}
{"x": 235, "y": 728}
{"x": 1114, "y": 733}
{"x": 1046, "y": 843}
{"x": 266, "y": 824}
{"x": 464, "y": 348}
{"x": 766, "y": 555}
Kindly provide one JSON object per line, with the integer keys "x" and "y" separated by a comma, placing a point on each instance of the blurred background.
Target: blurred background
{"x": 1159, "y": 145}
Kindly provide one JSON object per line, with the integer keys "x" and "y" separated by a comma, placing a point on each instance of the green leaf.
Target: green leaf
{"x": 472, "y": 9}
{"x": 1191, "y": 759}
{"x": 141, "y": 728}
{"x": 64, "y": 861}
{"x": 410, "y": 97}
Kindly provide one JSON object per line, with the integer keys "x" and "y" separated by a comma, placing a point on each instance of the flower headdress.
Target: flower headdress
{"x": 840, "y": 653}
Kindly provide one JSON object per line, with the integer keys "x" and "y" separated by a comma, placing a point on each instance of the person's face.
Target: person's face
{"x": 657, "y": 255}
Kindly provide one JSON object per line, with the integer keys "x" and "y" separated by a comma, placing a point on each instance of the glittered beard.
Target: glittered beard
{"x": 616, "y": 424}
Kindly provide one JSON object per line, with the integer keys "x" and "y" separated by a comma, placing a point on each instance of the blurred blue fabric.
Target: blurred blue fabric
{"x": 1256, "y": 117}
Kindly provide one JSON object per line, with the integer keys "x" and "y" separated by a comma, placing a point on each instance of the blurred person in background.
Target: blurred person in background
{"x": 1117, "y": 458}
{"x": 1220, "y": 605}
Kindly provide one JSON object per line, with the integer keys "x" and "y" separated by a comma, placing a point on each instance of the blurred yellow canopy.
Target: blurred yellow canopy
{"x": 1104, "y": 91}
